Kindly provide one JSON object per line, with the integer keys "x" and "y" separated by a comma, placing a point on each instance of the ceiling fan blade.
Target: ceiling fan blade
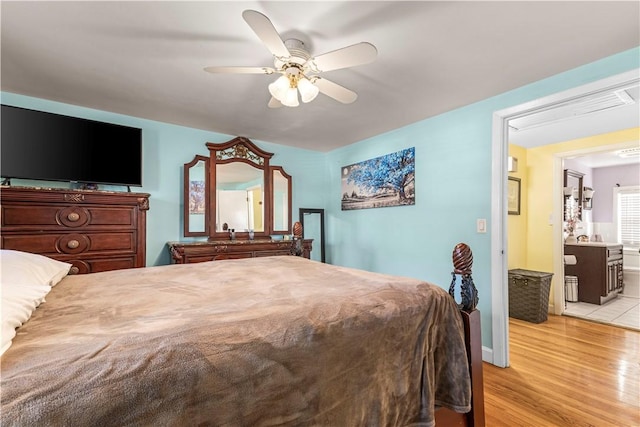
{"x": 335, "y": 91}
{"x": 241, "y": 70}
{"x": 274, "y": 103}
{"x": 264, "y": 29}
{"x": 350, "y": 56}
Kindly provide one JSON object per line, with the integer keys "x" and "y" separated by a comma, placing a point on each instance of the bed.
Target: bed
{"x": 264, "y": 341}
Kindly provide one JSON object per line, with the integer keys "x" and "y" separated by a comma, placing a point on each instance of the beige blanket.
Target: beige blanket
{"x": 255, "y": 342}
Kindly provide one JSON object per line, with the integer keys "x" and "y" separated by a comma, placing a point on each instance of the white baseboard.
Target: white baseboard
{"x": 487, "y": 355}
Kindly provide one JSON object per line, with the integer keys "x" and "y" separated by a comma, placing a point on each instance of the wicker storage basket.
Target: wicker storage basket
{"x": 529, "y": 294}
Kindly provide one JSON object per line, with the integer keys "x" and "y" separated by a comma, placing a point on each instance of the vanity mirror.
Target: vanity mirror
{"x": 239, "y": 203}
{"x": 236, "y": 188}
{"x": 573, "y": 191}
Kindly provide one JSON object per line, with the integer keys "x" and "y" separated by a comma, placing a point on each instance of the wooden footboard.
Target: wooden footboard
{"x": 462, "y": 262}
{"x": 475, "y": 417}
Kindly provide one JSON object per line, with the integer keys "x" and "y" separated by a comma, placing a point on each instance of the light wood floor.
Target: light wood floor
{"x": 566, "y": 372}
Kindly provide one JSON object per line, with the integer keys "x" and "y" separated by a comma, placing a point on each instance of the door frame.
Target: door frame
{"x": 499, "y": 174}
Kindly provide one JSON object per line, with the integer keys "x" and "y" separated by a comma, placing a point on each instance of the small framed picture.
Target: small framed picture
{"x": 513, "y": 196}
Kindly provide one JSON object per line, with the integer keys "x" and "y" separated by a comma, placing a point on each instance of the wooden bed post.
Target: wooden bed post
{"x": 462, "y": 263}
{"x": 473, "y": 342}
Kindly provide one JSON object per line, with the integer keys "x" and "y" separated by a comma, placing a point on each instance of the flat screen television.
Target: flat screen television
{"x": 37, "y": 145}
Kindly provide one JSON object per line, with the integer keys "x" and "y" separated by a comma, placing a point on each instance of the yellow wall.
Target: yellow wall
{"x": 517, "y": 224}
{"x": 530, "y": 244}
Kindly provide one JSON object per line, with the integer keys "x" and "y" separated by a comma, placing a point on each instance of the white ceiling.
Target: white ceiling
{"x": 606, "y": 159}
{"x": 146, "y": 59}
{"x": 595, "y": 114}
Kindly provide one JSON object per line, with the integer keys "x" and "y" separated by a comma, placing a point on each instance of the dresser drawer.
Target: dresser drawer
{"x": 96, "y": 265}
{"x": 233, "y": 255}
{"x": 20, "y": 217}
{"x": 72, "y": 243}
{"x": 273, "y": 253}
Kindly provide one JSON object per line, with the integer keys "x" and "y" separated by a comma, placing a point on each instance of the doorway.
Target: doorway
{"x": 500, "y": 150}
{"x": 607, "y": 294}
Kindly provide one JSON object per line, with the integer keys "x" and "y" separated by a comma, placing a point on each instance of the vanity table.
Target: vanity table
{"x": 598, "y": 268}
{"x": 236, "y": 191}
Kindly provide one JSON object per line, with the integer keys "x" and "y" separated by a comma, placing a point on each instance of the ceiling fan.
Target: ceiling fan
{"x": 298, "y": 68}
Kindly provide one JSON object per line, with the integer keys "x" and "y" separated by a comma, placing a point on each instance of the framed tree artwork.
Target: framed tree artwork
{"x": 384, "y": 181}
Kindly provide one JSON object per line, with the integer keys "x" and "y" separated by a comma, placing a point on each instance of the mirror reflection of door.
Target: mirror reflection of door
{"x": 255, "y": 197}
{"x": 313, "y": 228}
{"x": 239, "y": 197}
{"x": 233, "y": 209}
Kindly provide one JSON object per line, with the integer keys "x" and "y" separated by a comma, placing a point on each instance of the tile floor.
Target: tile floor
{"x": 621, "y": 311}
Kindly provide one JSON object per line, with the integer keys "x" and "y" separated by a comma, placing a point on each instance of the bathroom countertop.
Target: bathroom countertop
{"x": 598, "y": 244}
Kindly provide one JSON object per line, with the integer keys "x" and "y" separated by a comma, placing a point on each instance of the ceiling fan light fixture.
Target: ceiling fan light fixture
{"x": 308, "y": 91}
{"x": 279, "y": 88}
{"x": 290, "y": 98}
{"x": 294, "y": 62}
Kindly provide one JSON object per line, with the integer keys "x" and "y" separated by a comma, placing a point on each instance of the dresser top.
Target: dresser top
{"x": 12, "y": 188}
{"x": 226, "y": 242}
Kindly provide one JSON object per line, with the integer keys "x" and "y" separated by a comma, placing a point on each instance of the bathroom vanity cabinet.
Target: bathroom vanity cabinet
{"x": 598, "y": 269}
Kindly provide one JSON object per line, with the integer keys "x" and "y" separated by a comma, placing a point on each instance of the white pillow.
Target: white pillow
{"x": 18, "y": 304}
{"x": 26, "y": 268}
{"x": 25, "y": 280}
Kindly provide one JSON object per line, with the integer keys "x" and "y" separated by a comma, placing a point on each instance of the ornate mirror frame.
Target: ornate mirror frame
{"x": 281, "y": 207}
{"x": 238, "y": 150}
{"x": 196, "y": 197}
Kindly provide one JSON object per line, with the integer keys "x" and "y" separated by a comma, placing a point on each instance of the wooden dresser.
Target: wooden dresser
{"x": 93, "y": 230}
{"x": 189, "y": 252}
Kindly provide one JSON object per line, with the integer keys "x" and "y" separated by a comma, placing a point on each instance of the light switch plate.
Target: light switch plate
{"x": 481, "y": 225}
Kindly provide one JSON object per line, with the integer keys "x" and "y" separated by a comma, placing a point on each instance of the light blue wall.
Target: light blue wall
{"x": 453, "y": 183}
{"x": 166, "y": 148}
{"x": 453, "y": 189}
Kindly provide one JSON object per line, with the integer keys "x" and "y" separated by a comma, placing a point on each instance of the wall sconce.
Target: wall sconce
{"x": 587, "y": 193}
{"x": 512, "y": 164}
{"x": 568, "y": 191}
{"x": 575, "y": 193}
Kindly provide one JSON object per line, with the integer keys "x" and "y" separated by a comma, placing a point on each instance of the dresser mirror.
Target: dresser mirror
{"x": 196, "y": 197}
{"x": 240, "y": 197}
{"x": 242, "y": 192}
{"x": 281, "y": 192}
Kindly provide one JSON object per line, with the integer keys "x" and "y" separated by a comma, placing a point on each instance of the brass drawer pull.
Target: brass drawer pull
{"x": 72, "y": 244}
{"x": 73, "y": 217}
{"x": 74, "y": 270}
